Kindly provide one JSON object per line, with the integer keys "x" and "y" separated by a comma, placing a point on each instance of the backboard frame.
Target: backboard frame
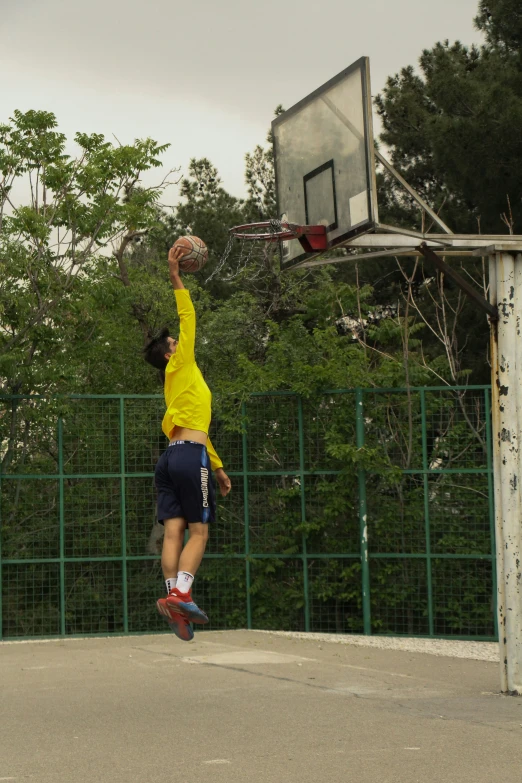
{"x": 361, "y": 65}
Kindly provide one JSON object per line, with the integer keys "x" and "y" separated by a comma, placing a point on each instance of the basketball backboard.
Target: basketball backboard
{"x": 324, "y": 161}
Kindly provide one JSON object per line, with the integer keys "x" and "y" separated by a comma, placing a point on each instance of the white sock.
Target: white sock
{"x": 170, "y": 584}
{"x": 185, "y": 581}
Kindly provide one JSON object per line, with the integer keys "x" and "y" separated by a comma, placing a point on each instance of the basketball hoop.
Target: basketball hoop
{"x": 252, "y": 246}
{"x": 312, "y": 238}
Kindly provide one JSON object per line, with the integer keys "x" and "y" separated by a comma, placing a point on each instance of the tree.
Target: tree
{"x": 501, "y": 21}
{"x": 452, "y": 129}
{"x": 260, "y": 177}
{"x": 58, "y": 214}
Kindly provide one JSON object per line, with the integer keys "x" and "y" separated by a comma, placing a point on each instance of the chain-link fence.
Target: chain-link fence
{"x": 364, "y": 510}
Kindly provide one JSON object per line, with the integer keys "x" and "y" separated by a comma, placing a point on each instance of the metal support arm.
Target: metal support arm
{"x": 468, "y": 289}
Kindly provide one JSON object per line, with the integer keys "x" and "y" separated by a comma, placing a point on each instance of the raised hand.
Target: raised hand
{"x": 175, "y": 254}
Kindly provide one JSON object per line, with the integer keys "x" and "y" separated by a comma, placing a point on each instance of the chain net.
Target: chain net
{"x": 248, "y": 258}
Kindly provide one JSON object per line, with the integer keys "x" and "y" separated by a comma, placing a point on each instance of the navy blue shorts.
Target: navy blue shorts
{"x": 185, "y": 483}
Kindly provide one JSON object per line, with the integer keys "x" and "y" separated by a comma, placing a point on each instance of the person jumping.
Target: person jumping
{"x": 185, "y": 485}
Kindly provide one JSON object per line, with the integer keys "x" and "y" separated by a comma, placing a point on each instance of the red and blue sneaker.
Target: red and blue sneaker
{"x": 183, "y": 603}
{"x": 178, "y": 623}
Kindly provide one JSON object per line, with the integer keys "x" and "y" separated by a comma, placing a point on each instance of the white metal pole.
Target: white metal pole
{"x": 507, "y": 420}
{"x": 514, "y": 551}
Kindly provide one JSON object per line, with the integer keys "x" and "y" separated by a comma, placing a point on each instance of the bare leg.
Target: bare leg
{"x": 189, "y": 561}
{"x": 172, "y": 546}
{"x": 194, "y": 550}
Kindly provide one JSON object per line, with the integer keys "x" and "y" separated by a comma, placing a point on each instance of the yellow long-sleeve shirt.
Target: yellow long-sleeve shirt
{"x": 187, "y": 396}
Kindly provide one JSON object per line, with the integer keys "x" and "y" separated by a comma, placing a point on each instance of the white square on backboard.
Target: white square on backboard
{"x": 359, "y": 208}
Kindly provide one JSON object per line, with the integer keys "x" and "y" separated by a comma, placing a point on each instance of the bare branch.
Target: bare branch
{"x": 508, "y": 218}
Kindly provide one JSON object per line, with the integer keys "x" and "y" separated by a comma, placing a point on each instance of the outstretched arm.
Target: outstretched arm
{"x": 175, "y": 254}
{"x": 186, "y": 312}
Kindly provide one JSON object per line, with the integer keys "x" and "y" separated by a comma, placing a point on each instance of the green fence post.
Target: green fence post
{"x": 427, "y": 530}
{"x": 61, "y": 502}
{"x": 303, "y": 513}
{"x": 491, "y": 503}
{"x": 363, "y": 518}
{"x": 123, "y": 519}
{"x": 246, "y": 517}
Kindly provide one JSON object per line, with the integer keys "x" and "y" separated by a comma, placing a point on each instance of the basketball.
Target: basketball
{"x": 196, "y": 254}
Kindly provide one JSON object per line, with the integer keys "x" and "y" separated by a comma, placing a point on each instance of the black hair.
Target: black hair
{"x": 154, "y": 352}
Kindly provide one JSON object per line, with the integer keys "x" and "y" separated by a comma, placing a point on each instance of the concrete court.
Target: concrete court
{"x": 247, "y": 707}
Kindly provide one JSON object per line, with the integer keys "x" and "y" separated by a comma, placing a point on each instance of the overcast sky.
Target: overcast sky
{"x": 203, "y": 75}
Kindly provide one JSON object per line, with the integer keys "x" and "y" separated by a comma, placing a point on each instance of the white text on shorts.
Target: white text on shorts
{"x": 204, "y": 486}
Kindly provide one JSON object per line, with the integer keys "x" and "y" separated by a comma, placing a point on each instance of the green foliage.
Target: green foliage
{"x": 363, "y": 458}
{"x": 50, "y": 246}
{"x": 450, "y": 128}
{"x": 501, "y": 21}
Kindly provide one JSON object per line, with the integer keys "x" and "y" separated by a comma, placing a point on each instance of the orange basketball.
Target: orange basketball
{"x": 196, "y": 254}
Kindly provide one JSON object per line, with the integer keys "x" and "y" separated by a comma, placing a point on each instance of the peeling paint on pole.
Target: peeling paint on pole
{"x": 365, "y": 537}
{"x": 506, "y": 355}
{"x": 497, "y": 460}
